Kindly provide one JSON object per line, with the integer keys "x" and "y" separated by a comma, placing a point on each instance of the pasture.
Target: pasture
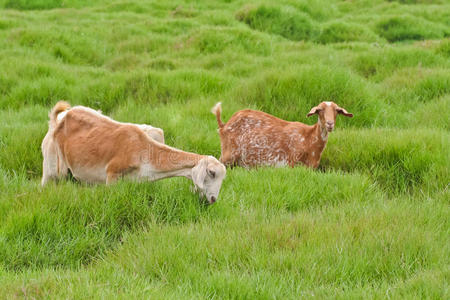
{"x": 372, "y": 222}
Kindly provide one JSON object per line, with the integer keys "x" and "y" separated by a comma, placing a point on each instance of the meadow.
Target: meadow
{"x": 372, "y": 222}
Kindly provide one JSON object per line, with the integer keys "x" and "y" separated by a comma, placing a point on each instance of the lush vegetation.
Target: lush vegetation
{"x": 372, "y": 222}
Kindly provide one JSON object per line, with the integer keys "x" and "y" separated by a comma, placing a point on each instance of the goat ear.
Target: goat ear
{"x": 342, "y": 111}
{"x": 314, "y": 110}
{"x": 199, "y": 173}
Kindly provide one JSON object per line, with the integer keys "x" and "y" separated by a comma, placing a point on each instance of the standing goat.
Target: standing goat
{"x": 98, "y": 149}
{"x": 253, "y": 138}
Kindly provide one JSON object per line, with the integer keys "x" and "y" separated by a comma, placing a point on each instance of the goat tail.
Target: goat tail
{"x": 58, "y": 108}
{"x": 217, "y": 110}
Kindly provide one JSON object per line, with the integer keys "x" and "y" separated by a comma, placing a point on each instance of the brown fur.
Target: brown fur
{"x": 88, "y": 140}
{"x": 98, "y": 149}
{"x": 252, "y": 138}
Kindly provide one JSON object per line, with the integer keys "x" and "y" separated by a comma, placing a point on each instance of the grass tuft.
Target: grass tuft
{"x": 290, "y": 24}
{"x": 33, "y": 4}
{"x": 406, "y": 27}
{"x": 338, "y": 31}
{"x": 412, "y": 161}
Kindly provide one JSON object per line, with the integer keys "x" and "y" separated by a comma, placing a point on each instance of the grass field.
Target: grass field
{"x": 372, "y": 222}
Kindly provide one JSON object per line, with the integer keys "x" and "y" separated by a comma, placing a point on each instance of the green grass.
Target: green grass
{"x": 399, "y": 28}
{"x": 292, "y": 25}
{"x": 371, "y": 222}
{"x": 339, "y": 31}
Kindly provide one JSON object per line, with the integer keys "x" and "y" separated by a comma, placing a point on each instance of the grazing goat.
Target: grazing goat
{"x": 253, "y": 138}
{"x": 155, "y": 133}
{"x": 54, "y": 167}
{"x": 98, "y": 149}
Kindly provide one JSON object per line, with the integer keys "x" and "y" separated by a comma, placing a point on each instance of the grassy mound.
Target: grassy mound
{"x": 219, "y": 40}
{"x": 382, "y": 62}
{"x": 33, "y": 4}
{"x": 288, "y": 23}
{"x": 400, "y": 28}
{"x": 338, "y": 31}
{"x": 43, "y": 4}
{"x": 397, "y": 162}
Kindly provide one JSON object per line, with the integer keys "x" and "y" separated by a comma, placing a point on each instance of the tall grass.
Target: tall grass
{"x": 287, "y": 23}
{"x": 371, "y": 222}
{"x": 399, "y": 28}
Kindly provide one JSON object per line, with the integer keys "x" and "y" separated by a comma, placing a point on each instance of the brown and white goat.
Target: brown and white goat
{"x": 254, "y": 138}
{"x": 54, "y": 167}
{"x": 98, "y": 149}
{"x": 154, "y": 132}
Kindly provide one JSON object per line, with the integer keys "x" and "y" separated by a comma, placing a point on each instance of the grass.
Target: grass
{"x": 339, "y": 31}
{"x": 292, "y": 25}
{"x": 371, "y": 222}
{"x": 399, "y": 28}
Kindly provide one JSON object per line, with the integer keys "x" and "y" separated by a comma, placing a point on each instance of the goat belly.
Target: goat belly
{"x": 91, "y": 174}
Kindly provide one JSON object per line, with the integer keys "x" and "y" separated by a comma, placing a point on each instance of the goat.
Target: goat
{"x": 253, "y": 138}
{"x": 54, "y": 167}
{"x": 155, "y": 133}
{"x": 98, "y": 149}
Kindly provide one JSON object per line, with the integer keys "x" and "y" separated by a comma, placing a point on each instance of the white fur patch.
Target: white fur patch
{"x": 61, "y": 115}
{"x": 324, "y": 135}
{"x": 92, "y": 174}
{"x": 217, "y": 108}
{"x": 328, "y": 103}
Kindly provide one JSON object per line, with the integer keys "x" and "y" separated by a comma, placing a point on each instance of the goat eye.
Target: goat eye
{"x": 211, "y": 173}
